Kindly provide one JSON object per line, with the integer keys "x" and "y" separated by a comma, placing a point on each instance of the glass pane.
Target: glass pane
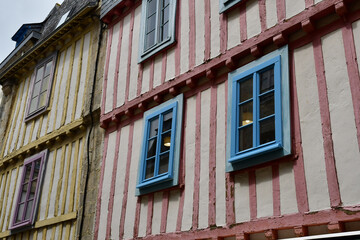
{"x": 166, "y": 2}
{"x": 44, "y": 85}
{"x": 167, "y": 121}
{"x": 164, "y": 163}
{"x": 39, "y": 74}
{"x": 246, "y": 89}
{"x": 150, "y": 165}
{"x": 267, "y": 130}
{"x": 29, "y": 209}
{"x": 43, "y": 98}
{"x": 151, "y": 7}
{"x": 150, "y": 40}
{"x": 33, "y": 104}
{"x": 27, "y": 173}
{"x": 164, "y": 31}
{"x": 165, "y": 14}
{"x": 154, "y": 124}
{"x": 36, "y": 90}
{"x": 165, "y": 142}
{"x": 151, "y": 24}
{"x": 246, "y": 114}
{"x": 48, "y": 68}
{"x": 266, "y": 80}
{"x": 36, "y": 169}
{"x": 20, "y": 212}
{"x": 32, "y": 189}
{"x": 151, "y": 148}
{"x": 23, "y": 192}
{"x": 267, "y": 105}
{"x": 245, "y": 137}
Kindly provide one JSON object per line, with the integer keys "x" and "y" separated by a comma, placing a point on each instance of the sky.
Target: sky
{"x": 15, "y": 13}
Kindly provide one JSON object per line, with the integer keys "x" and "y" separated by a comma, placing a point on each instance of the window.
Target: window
{"x": 226, "y": 4}
{"x": 159, "y": 160}
{"x": 259, "y": 128}
{"x": 41, "y": 88}
{"x": 29, "y": 190}
{"x": 157, "y": 26}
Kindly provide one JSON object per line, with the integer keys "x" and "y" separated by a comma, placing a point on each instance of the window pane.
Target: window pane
{"x": 267, "y": 105}
{"x": 245, "y": 137}
{"x": 165, "y": 15}
{"x": 151, "y": 148}
{"x": 32, "y": 189}
{"x": 39, "y": 74}
{"x": 20, "y": 212}
{"x": 164, "y": 163}
{"x": 151, "y": 7}
{"x": 36, "y": 169}
{"x": 28, "y": 209}
{"x": 165, "y": 142}
{"x": 33, "y": 104}
{"x": 164, "y": 31}
{"x": 166, "y": 2}
{"x": 246, "y": 89}
{"x": 267, "y": 130}
{"x": 45, "y": 83}
{"x": 167, "y": 121}
{"x": 23, "y": 192}
{"x": 27, "y": 173}
{"x": 246, "y": 114}
{"x": 48, "y": 68}
{"x": 154, "y": 124}
{"x": 266, "y": 80}
{"x": 151, "y": 21}
{"x": 150, "y": 165}
{"x": 43, "y": 98}
{"x": 150, "y": 40}
{"x": 36, "y": 90}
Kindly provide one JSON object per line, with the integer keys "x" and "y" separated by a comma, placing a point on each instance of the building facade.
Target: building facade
{"x": 230, "y": 119}
{"x": 48, "y": 126}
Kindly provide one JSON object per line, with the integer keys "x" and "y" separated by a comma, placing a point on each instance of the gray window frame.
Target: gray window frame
{"x": 226, "y": 4}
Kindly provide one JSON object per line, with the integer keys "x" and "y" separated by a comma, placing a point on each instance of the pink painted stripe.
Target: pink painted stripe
{"x": 331, "y": 175}
{"x": 195, "y": 218}
{"x": 281, "y": 10}
{"x": 299, "y": 170}
{"x": 116, "y": 77}
{"x": 212, "y": 158}
{"x": 139, "y": 80}
{"x": 127, "y": 88}
{"x": 262, "y": 12}
{"x": 207, "y": 29}
{"x": 113, "y": 183}
{"x": 150, "y": 214}
{"x": 163, "y": 67}
{"x": 309, "y": 3}
{"x": 164, "y": 211}
{"x": 98, "y": 205}
{"x": 126, "y": 183}
{"x": 192, "y": 36}
{"x": 223, "y": 33}
{"x": 152, "y": 69}
{"x": 178, "y": 44}
{"x": 137, "y": 217}
{"x": 229, "y": 179}
{"x": 353, "y": 73}
{"x": 243, "y": 24}
{"x": 252, "y": 195}
{"x": 108, "y": 47}
{"x": 276, "y": 190}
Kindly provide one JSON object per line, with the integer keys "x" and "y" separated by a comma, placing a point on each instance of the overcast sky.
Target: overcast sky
{"x": 15, "y": 13}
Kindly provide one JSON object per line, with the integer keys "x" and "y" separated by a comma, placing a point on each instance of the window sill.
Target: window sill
{"x": 36, "y": 114}
{"x": 154, "y": 181}
{"x": 255, "y": 152}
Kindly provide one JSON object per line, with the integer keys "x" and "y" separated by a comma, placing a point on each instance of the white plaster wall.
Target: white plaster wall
{"x": 189, "y": 163}
{"x": 271, "y": 13}
{"x": 170, "y": 64}
{"x": 78, "y": 171}
{"x": 36, "y": 128}
{"x": 356, "y": 34}
{"x": 73, "y": 161}
{"x": 264, "y": 192}
{"x": 242, "y": 198}
{"x": 146, "y": 77}
{"x": 61, "y": 180}
{"x": 288, "y": 202}
{"x": 184, "y": 37}
{"x": 27, "y": 134}
{"x": 233, "y": 25}
{"x": 252, "y": 18}
{"x": 43, "y": 126}
{"x": 311, "y": 131}
{"x": 174, "y": 200}
{"x": 204, "y": 159}
{"x": 199, "y": 32}
{"x": 123, "y": 62}
{"x": 134, "y": 68}
{"x": 120, "y": 179}
{"x": 346, "y": 148}
{"x": 131, "y": 201}
{"x": 112, "y": 67}
{"x": 143, "y": 216}
{"x": 317, "y": 1}
{"x": 294, "y": 7}
{"x": 156, "y": 221}
{"x": 220, "y": 156}
{"x": 158, "y": 70}
{"x": 215, "y": 29}
{"x": 55, "y": 182}
{"x": 6, "y": 208}
{"x": 108, "y": 165}
{"x": 22, "y": 126}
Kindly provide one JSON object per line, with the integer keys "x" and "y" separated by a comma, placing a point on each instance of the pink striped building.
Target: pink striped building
{"x": 289, "y": 169}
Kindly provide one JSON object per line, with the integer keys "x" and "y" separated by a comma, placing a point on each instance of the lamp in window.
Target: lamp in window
{"x": 247, "y": 118}
{"x": 167, "y": 141}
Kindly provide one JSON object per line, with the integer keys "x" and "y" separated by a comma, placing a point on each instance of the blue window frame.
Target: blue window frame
{"x": 226, "y": 4}
{"x": 259, "y": 119}
{"x": 157, "y": 26}
{"x": 159, "y": 160}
